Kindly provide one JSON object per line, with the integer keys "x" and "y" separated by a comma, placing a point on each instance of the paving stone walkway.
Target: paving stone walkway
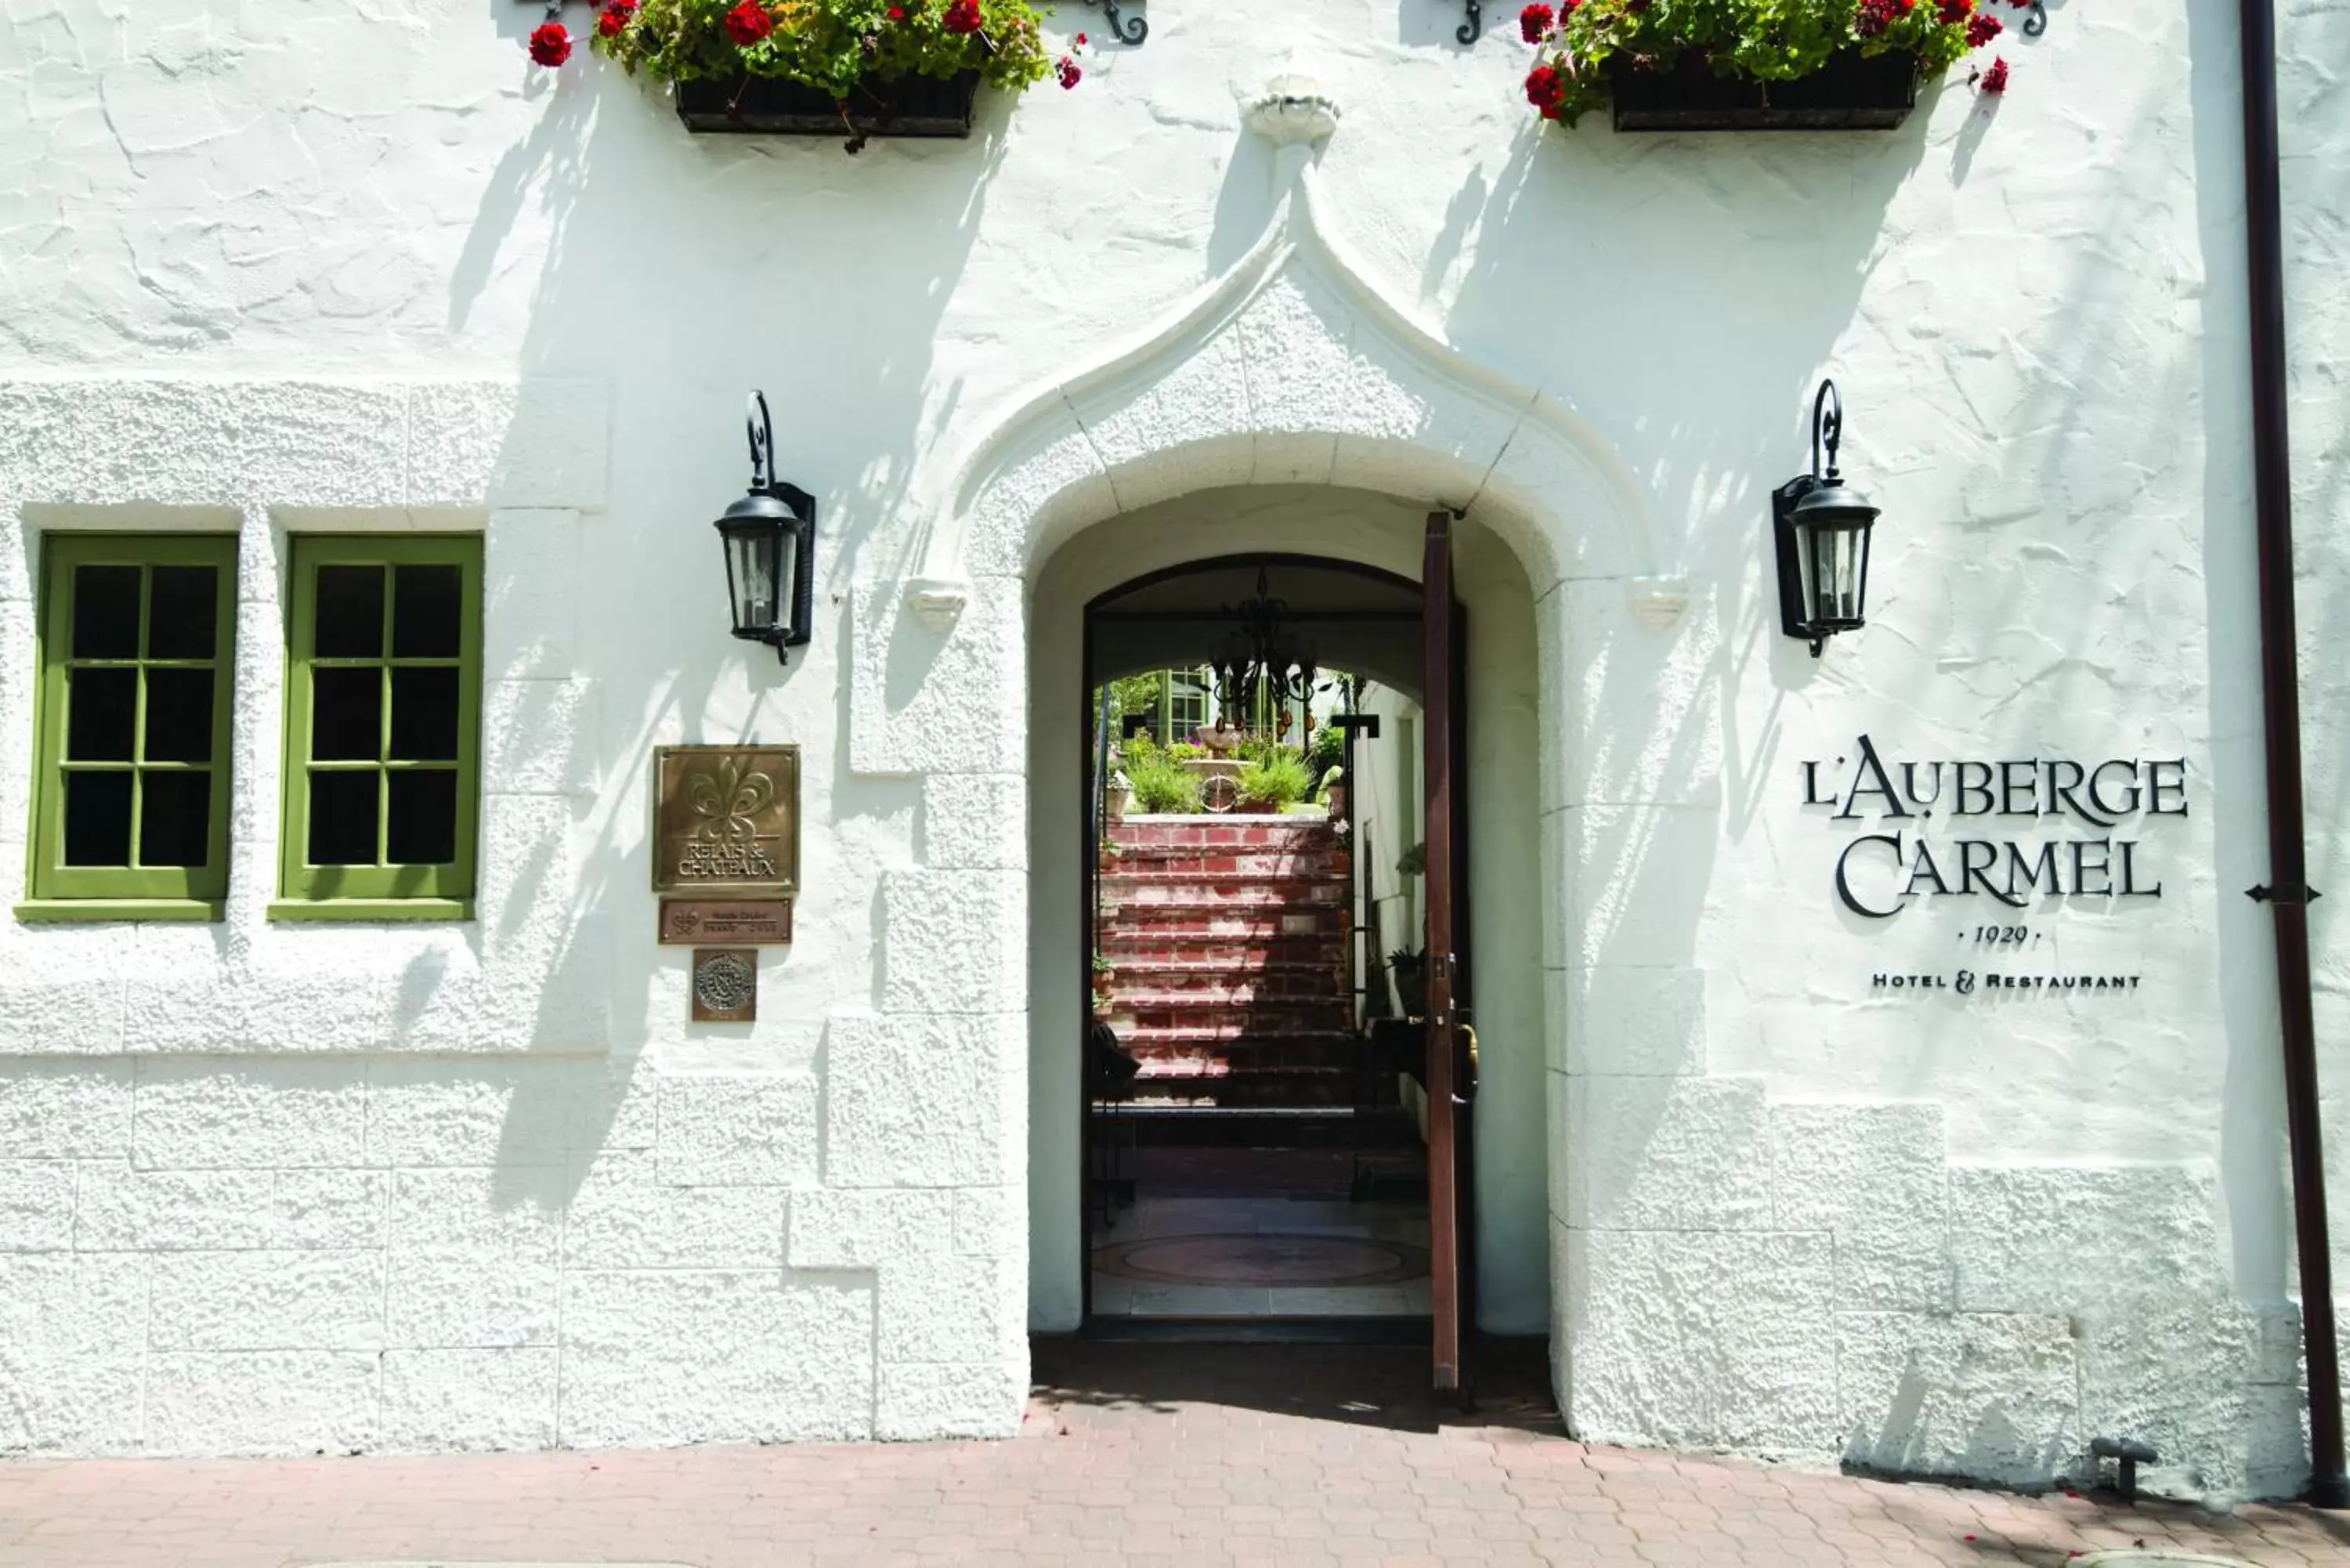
{"x": 1134, "y": 1455}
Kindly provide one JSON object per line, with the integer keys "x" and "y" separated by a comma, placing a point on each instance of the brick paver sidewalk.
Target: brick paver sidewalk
{"x": 1134, "y": 1455}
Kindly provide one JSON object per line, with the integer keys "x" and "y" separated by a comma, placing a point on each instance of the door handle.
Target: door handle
{"x": 1470, "y": 1081}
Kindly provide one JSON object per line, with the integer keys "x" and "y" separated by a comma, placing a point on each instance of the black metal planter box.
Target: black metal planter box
{"x": 910, "y": 105}
{"x": 1850, "y": 93}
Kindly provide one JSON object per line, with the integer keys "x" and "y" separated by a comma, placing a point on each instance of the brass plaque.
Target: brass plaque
{"x": 725, "y": 985}
{"x": 767, "y": 922}
{"x": 726, "y": 819}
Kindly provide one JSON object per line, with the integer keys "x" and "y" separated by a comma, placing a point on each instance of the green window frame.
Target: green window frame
{"x": 383, "y": 698}
{"x": 131, "y": 787}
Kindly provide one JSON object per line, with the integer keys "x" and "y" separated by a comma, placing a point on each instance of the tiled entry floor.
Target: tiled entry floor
{"x": 1263, "y": 1257}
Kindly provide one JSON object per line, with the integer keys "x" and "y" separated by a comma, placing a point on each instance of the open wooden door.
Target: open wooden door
{"x": 1452, "y": 1075}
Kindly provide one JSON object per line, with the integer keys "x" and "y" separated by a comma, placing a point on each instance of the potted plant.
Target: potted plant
{"x": 1411, "y": 971}
{"x": 1104, "y": 984}
{"x": 1119, "y": 794}
{"x": 867, "y": 68}
{"x": 1750, "y": 64}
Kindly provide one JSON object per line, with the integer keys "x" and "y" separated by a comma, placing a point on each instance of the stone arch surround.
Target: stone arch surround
{"x": 1729, "y": 1271}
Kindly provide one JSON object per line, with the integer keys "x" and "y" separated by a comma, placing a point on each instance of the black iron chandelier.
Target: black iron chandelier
{"x": 1262, "y": 663}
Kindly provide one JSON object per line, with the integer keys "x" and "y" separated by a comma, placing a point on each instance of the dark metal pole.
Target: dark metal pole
{"x": 2288, "y": 893}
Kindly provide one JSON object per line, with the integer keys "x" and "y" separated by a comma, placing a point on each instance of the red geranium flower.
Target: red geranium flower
{"x": 550, "y": 43}
{"x": 1081, "y": 40}
{"x": 1951, "y": 13}
{"x": 614, "y": 19}
{"x": 897, "y": 12}
{"x": 1873, "y": 18}
{"x": 1068, "y": 73}
{"x": 1983, "y": 30}
{"x": 1536, "y": 21}
{"x": 1995, "y": 78}
{"x": 748, "y": 23}
{"x": 963, "y": 17}
{"x": 1545, "y": 89}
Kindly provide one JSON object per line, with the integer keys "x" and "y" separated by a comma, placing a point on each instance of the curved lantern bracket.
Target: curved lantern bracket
{"x": 1130, "y": 30}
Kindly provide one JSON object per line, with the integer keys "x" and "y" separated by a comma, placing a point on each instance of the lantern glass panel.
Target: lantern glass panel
{"x": 753, "y": 559}
{"x": 1839, "y": 551}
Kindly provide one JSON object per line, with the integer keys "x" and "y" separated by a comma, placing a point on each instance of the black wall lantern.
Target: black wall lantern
{"x": 770, "y": 540}
{"x": 1821, "y": 526}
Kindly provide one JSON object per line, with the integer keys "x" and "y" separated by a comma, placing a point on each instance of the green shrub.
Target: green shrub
{"x": 1163, "y": 786}
{"x": 1276, "y": 781}
{"x": 1330, "y": 748}
{"x": 1136, "y": 750}
{"x": 1185, "y": 751}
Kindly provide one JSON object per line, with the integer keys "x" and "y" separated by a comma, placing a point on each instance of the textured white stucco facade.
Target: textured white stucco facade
{"x": 278, "y": 1188}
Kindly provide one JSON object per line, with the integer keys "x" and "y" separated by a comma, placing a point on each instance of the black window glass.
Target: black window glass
{"x": 97, "y": 818}
{"x": 182, "y": 610}
{"x": 426, "y": 606}
{"x": 348, "y": 622}
{"x": 101, "y": 706}
{"x": 178, "y": 716}
{"x": 424, "y": 715}
{"x": 422, "y": 827}
{"x": 106, "y": 612}
{"x": 174, "y": 813}
{"x": 342, "y": 819}
{"x": 346, "y": 714}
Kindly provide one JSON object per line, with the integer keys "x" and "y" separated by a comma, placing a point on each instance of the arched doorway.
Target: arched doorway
{"x": 1334, "y": 555}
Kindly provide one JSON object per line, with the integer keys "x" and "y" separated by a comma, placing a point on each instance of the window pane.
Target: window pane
{"x": 101, "y": 711}
{"x": 342, "y": 819}
{"x": 97, "y": 818}
{"x": 174, "y": 809}
{"x": 347, "y": 715}
{"x": 349, "y": 619}
{"x": 178, "y": 716}
{"x": 182, "y": 605}
{"x": 106, "y": 612}
{"x": 426, "y": 608}
{"x": 423, "y": 826}
{"x": 424, "y": 715}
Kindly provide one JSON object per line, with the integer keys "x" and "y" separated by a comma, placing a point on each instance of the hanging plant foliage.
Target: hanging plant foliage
{"x": 1723, "y": 53}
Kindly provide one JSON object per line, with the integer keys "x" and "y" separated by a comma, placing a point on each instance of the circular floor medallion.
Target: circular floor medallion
{"x": 1276, "y": 1260}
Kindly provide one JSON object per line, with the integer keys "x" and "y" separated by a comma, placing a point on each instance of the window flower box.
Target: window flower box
{"x": 775, "y": 106}
{"x": 1852, "y": 92}
{"x": 1791, "y": 64}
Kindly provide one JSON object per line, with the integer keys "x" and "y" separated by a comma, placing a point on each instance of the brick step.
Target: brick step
{"x": 1168, "y": 924}
{"x": 1219, "y": 1025}
{"x": 1259, "y": 855}
{"x": 1232, "y": 867}
{"x": 1187, "y": 892}
{"x": 1142, "y": 986}
{"x": 1263, "y": 1087}
{"x": 1157, "y": 943}
{"x": 1230, "y": 833}
{"x": 1387, "y": 1133}
{"x": 1165, "y": 1040}
{"x": 1160, "y": 1063}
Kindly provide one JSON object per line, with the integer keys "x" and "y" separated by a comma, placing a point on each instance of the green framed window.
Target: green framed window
{"x": 382, "y": 728}
{"x": 131, "y": 774}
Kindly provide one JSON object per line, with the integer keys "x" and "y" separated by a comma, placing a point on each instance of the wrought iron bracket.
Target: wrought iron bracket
{"x": 1129, "y": 30}
{"x": 2037, "y": 22}
{"x": 1472, "y": 26}
{"x": 2265, "y": 894}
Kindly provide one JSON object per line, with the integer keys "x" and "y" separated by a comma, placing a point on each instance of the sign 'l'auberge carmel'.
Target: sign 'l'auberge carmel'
{"x": 1878, "y": 872}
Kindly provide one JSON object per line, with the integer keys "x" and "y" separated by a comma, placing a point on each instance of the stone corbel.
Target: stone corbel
{"x": 937, "y": 601}
{"x": 1658, "y": 602}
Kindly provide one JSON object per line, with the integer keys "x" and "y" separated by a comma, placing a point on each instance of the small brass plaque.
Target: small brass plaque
{"x": 725, "y": 985}
{"x": 767, "y": 922}
{"x": 726, "y": 819}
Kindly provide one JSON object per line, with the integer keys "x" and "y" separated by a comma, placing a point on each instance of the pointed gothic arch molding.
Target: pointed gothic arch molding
{"x": 1292, "y": 367}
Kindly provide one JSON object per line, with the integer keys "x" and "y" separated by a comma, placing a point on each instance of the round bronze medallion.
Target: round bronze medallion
{"x": 723, "y": 982}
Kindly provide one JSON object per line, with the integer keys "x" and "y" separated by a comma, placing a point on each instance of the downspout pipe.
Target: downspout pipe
{"x": 2287, "y": 893}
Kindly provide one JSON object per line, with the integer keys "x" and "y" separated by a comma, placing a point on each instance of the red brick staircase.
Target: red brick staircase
{"x": 1228, "y": 937}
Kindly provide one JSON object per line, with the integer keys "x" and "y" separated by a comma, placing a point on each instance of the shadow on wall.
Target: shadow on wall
{"x": 838, "y": 269}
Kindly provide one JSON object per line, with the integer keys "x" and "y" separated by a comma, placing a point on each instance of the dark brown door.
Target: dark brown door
{"x": 1452, "y": 1041}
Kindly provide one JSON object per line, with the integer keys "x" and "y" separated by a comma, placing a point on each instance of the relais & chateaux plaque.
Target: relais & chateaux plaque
{"x": 726, "y": 819}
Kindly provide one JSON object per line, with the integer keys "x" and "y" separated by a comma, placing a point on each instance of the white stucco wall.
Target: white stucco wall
{"x": 264, "y": 1189}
